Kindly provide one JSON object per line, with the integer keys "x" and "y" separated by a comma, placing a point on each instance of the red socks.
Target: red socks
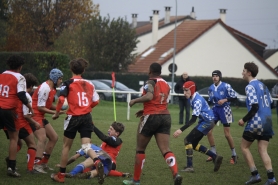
{"x": 31, "y": 154}
{"x": 139, "y": 164}
{"x": 115, "y": 173}
{"x": 172, "y": 162}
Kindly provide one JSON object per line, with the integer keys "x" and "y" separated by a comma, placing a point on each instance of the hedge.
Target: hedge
{"x": 39, "y": 63}
{"x": 132, "y": 80}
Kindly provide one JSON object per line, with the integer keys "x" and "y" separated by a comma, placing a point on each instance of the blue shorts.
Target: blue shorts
{"x": 205, "y": 126}
{"x": 107, "y": 163}
{"x": 224, "y": 114}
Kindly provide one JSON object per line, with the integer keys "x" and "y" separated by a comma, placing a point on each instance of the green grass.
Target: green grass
{"x": 155, "y": 171}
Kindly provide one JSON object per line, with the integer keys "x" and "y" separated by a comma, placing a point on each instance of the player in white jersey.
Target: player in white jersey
{"x": 259, "y": 124}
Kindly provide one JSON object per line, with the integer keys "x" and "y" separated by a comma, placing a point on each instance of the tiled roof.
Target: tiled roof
{"x": 187, "y": 32}
{"x": 147, "y": 28}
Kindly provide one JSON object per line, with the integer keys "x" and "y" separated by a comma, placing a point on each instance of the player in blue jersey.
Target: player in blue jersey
{"x": 220, "y": 95}
{"x": 259, "y": 123}
{"x": 89, "y": 163}
{"x": 201, "y": 109}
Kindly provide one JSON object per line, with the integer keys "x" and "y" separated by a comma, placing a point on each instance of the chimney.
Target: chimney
{"x": 134, "y": 20}
{"x": 223, "y": 15}
{"x": 192, "y": 14}
{"x": 151, "y": 19}
{"x": 167, "y": 14}
{"x": 155, "y": 26}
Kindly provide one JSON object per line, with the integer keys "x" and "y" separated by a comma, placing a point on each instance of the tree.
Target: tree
{"x": 3, "y": 22}
{"x": 34, "y": 25}
{"x": 108, "y": 45}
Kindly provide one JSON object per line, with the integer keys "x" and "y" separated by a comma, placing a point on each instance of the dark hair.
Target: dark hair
{"x": 252, "y": 68}
{"x": 77, "y": 66}
{"x": 31, "y": 80}
{"x": 119, "y": 127}
{"x": 15, "y": 61}
{"x": 155, "y": 68}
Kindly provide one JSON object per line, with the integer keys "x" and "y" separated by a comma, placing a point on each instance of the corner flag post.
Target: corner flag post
{"x": 114, "y": 99}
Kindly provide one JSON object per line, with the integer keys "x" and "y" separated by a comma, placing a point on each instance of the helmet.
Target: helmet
{"x": 55, "y": 74}
{"x": 218, "y": 73}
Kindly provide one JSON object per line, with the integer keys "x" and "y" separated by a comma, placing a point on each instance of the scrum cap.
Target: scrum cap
{"x": 218, "y": 73}
{"x": 55, "y": 74}
{"x": 191, "y": 86}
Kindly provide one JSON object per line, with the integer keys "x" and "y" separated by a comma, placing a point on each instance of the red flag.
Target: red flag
{"x": 113, "y": 80}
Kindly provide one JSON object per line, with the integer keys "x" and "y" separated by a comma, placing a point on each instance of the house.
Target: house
{"x": 201, "y": 47}
{"x": 271, "y": 57}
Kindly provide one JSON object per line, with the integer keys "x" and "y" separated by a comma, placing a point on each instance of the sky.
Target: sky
{"x": 256, "y": 18}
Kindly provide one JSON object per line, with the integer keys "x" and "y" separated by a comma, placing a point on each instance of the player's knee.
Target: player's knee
{"x": 86, "y": 147}
{"x": 188, "y": 146}
{"x": 195, "y": 146}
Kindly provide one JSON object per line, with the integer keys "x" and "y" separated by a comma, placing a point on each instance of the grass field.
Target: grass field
{"x": 155, "y": 171}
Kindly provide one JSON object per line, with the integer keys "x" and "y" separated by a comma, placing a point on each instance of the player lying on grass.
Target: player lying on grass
{"x": 201, "y": 109}
{"x": 111, "y": 145}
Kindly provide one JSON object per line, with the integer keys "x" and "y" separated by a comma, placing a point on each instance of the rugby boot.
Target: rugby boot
{"x": 217, "y": 162}
{"x": 46, "y": 167}
{"x": 254, "y": 179}
{"x": 12, "y": 173}
{"x": 271, "y": 182}
{"x": 178, "y": 180}
{"x": 100, "y": 170}
{"x": 188, "y": 169}
{"x": 234, "y": 159}
{"x": 85, "y": 175}
{"x": 131, "y": 182}
{"x": 39, "y": 168}
{"x": 59, "y": 177}
{"x": 126, "y": 175}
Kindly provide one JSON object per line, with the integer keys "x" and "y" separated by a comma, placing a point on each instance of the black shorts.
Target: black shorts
{"x": 194, "y": 137}
{"x": 23, "y": 132}
{"x": 155, "y": 123}
{"x": 226, "y": 124}
{"x": 83, "y": 124}
{"x": 249, "y": 136}
{"x": 7, "y": 119}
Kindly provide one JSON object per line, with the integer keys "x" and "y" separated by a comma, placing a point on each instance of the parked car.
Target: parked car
{"x": 102, "y": 86}
{"x": 240, "y": 98}
{"x": 120, "y": 87}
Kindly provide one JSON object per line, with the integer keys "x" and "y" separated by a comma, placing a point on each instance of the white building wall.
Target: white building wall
{"x": 216, "y": 49}
{"x": 145, "y": 41}
{"x": 273, "y": 60}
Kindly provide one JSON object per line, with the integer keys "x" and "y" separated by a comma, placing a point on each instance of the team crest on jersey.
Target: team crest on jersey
{"x": 222, "y": 93}
{"x": 261, "y": 86}
{"x": 63, "y": 87}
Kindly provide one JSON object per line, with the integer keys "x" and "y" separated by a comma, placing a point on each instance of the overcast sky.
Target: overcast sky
{"x": 256, "y": 18}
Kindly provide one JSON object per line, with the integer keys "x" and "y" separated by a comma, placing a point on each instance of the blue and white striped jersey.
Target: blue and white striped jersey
{"x": 258, "y": 93}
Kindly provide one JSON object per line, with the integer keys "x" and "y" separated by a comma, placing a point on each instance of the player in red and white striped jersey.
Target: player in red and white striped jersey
{"x": 12, "y": 91}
